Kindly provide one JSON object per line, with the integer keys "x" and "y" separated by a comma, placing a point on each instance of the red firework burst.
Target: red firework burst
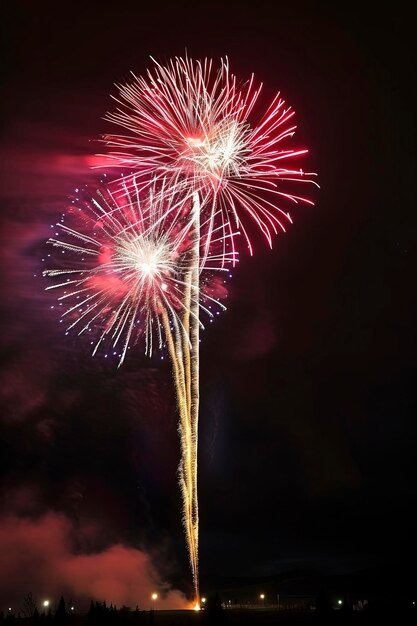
{"x": 196, "y": 125}
{"x": 126, "y": 257}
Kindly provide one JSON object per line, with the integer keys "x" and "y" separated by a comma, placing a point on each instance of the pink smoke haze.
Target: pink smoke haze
{"x": 38, "y": 556}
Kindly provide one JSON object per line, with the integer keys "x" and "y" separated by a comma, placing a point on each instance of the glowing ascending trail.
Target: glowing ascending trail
{"x": 183, "y": 346}
{"x": 192, "y": 327}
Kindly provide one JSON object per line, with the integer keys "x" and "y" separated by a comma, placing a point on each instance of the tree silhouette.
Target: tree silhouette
{"x": 29, "y": 605}
{"x": 61, "y": 615}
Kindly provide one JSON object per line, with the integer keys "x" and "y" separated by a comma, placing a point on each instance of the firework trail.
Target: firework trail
{"x": 132, "y": 270}
{"x": 183, "y": 346}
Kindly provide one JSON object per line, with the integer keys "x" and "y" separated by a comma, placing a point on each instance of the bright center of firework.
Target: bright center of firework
{"x": 147, "y": 267}
{"x": 221, "y": 154}
{"x": 147, "y": 259}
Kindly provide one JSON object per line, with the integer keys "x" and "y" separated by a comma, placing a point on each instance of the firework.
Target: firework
{"x": 203, "y": 167}
{"x": 126, "y": 263}
{"x": 195, "y": 124}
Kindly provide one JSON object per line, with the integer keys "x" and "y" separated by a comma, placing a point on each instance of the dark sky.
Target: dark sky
{"x": 307, "y": 449}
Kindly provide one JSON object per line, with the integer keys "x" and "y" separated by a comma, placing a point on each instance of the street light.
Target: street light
{"x": 203, "y": 600}
{"x": 45, "y": 603}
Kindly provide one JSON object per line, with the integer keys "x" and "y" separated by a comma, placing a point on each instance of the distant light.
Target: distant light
{"x": 203, "y": 600}
{"x": 46, "y": 603}
{"x": 262, "y": 596}
{"x": 339, "y": 602}
{"x": 154, "y": 596}
{"x": 72, "y": 608}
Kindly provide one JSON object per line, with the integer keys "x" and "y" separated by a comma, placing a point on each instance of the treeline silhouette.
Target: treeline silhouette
{"x": 103, "y": 614}
{"x": 390, "y": 610}
{"x": 99, "y": 614}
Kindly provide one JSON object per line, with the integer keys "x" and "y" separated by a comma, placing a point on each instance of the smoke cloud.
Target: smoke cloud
{"x": 40, "y": 556}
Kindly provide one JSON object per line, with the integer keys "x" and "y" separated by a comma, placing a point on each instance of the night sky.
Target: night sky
{"x": 307, "y": 444}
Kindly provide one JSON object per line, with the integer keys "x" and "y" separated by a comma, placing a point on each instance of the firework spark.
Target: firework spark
{"x": 126, "y": 265}
{"x": 195, "y": 124}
